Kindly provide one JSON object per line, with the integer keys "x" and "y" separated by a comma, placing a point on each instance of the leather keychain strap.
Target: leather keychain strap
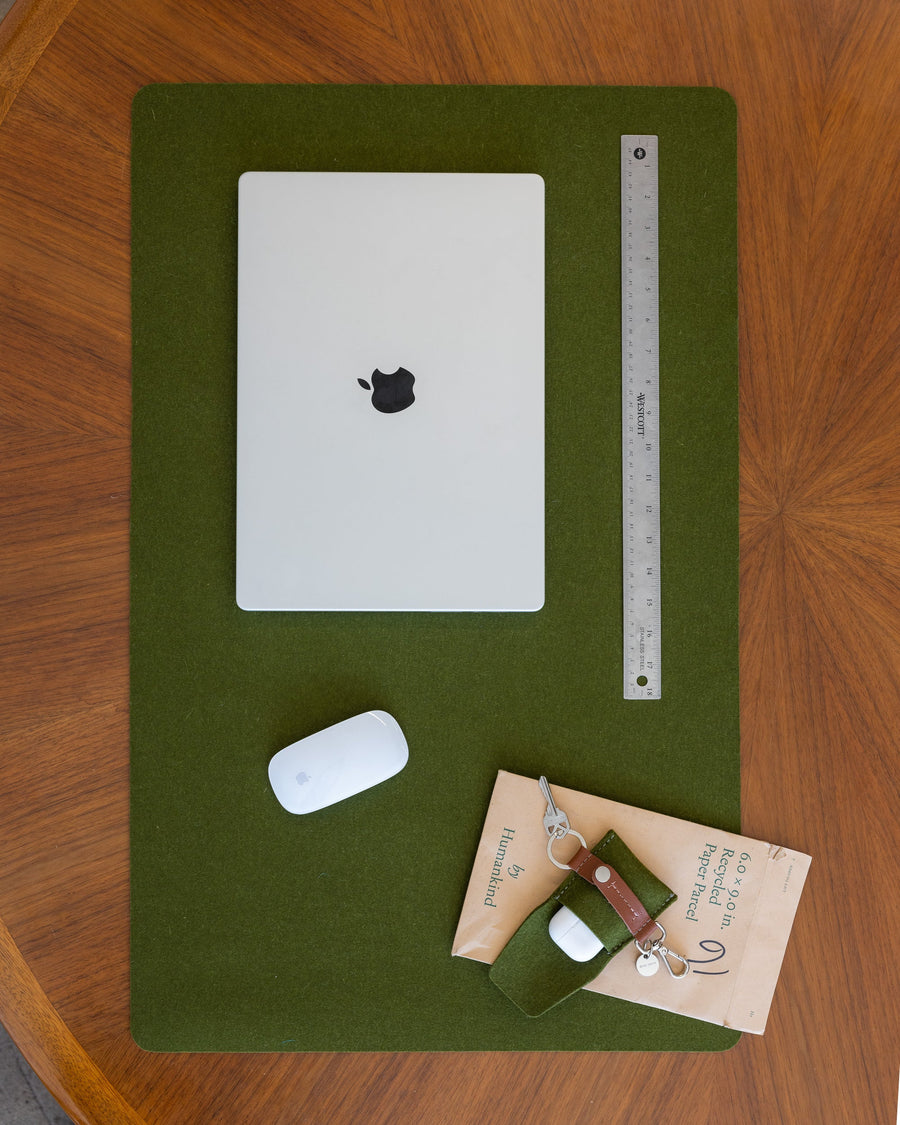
{"x": 615, "y": 890}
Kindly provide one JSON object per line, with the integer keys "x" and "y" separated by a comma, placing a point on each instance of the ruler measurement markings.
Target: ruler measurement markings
{"x": 642, "y": 623}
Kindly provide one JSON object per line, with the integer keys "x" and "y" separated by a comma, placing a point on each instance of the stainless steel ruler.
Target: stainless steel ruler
{"x": 642, "y": 609}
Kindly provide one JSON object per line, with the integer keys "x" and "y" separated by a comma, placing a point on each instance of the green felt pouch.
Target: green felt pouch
{"x": 534, "y": 972}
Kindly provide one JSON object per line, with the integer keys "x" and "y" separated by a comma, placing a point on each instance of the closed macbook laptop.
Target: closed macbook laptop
{"x": 390, "y": 391}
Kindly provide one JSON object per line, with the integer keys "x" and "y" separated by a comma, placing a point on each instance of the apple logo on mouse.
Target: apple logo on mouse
{"x": 391, "y": 391}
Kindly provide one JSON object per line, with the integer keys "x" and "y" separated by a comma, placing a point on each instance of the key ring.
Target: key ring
{"x": 560, "y": 834}
{"x": 556, "y": 825}
{"x": 651, "y": 951}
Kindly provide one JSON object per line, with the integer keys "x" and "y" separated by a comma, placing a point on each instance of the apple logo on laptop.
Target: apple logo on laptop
{"x": 391, "y": 392}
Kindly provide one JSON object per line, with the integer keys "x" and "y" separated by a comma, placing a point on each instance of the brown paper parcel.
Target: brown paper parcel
{"x": 736, "y": 899}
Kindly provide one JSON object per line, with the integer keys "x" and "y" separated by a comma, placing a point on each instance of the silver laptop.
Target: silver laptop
{"x": 390, "y": 391}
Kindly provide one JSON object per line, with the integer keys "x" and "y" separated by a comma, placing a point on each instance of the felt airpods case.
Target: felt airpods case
{"x": 534, "y": 972}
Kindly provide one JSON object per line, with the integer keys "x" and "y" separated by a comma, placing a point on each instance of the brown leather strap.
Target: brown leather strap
{"x": 614, "y": 889}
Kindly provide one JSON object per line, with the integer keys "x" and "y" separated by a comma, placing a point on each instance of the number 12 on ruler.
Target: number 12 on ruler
{"x": 641, "y": 591}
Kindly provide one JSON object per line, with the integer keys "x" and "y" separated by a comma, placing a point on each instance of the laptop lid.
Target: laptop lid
{"x": 390, "y": 391}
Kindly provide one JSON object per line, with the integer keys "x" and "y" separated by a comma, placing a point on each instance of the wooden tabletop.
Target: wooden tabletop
{"x": 816, "y": 87}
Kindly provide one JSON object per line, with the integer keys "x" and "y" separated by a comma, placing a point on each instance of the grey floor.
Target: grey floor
{"x": 23, "y": 1100}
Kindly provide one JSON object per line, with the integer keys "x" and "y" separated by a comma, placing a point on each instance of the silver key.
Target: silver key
{"x": 555, "y": 820}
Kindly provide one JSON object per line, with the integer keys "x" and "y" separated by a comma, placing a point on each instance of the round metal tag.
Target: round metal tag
{"x": 647, "y": 964}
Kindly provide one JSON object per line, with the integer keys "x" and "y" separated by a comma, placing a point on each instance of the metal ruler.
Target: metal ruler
{"x": 642, "y": 617}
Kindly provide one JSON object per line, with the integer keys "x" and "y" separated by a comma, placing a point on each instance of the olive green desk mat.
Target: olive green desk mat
{"x": 256, "y": 930}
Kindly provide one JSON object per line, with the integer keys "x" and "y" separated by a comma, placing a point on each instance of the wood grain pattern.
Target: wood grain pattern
{"x": 27, "y": 28}
{"x": 816, "y": 87}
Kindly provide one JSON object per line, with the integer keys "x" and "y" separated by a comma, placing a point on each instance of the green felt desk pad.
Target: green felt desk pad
{"x": 253, "y": 929}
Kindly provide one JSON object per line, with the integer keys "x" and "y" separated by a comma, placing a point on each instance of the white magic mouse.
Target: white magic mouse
{"x": 338, "y": 762}
{"x": 572, "y": 936}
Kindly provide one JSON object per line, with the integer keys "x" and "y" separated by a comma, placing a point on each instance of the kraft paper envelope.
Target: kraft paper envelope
{"x": 736, "y": 902}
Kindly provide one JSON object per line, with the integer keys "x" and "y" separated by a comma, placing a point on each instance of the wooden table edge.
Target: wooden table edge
{"x": 25, "y": 34}
{"x": 52, "y": 1051}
